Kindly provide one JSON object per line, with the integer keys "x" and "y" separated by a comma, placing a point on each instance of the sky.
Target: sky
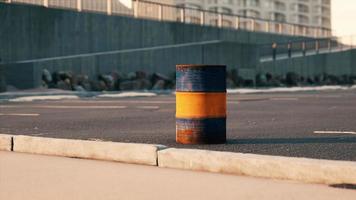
{"x": 344, "y": 17}
{"x": 127, "y": 3}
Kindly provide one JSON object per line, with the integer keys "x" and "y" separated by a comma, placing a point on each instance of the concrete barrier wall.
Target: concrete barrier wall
{"x": 2, "y": 79}
{"x": 353, "y": 61}
{"x": 31, "y": 32}
{"x": 232, "y": 54}
{"x": 339, "y": 63}
{"x": 22, "y": 75}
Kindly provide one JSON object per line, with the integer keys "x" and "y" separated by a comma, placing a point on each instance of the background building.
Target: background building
{"x": 303, "y": 12}
{"x": 310, "y": 18}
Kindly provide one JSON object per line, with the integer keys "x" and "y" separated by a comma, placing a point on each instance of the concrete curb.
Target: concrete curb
{"x": 121, "y": 152}
{"x": 5, "y": 142}
{"x": 277, "y": 167}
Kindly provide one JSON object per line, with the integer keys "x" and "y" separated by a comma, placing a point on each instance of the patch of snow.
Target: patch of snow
{"x": 37, "y": 92}
{"x": 41, "y": 98}
{"x": 129, "y": 94}
{"x": 292, "y": 89}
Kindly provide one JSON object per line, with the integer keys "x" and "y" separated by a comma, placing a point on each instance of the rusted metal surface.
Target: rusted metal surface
{"x": 201, "y": 104}
{"x": 201, "y": 131}
{"x": 201, "y": 78}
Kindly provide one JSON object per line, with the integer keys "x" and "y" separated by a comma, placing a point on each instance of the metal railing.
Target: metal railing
{"x": 163, "y": 12}
{"x": 292, "y": 49}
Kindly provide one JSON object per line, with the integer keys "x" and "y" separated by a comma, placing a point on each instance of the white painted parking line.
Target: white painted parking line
{"x": 335, "y": 132}
{"x": 20, "y": 114}
{"x": 233, "y": 102}
{"x": 118, "y": 101}
{"x": 248, "y": 99}
{"x": 284, "y": 99}
{"x": 147, "y": 107}
{"x": 83, "y": 107}
{"x": 67, "y": 107}
{"x": 38, "y": 98}
{"x": 128, "y": 94}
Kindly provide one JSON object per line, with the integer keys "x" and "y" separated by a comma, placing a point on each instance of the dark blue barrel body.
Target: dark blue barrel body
{"x": 202, "y": 131}
{"x": 199, "y": 78}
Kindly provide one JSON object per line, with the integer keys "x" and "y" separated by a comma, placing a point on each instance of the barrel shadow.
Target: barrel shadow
{"x": 325, "y": 140}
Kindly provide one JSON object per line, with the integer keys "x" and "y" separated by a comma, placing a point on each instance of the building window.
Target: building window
{"x": 214, "y": 9}
{"x": 279, "y": 17}
{"x": 303, "y": 19}
{"x": 326, "y": 2}
{"x": 280, "y": 6}
{"x": 303, "y": 8}
{"x": 252, "y": 3}
{"x": 250, "y": 13}
{"x": 226, "y": 10}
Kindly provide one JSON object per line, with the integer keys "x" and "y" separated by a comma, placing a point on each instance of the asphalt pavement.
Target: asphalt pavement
{"x": 273, "y": 123}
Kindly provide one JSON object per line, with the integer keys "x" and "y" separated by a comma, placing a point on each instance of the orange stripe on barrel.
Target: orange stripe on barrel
{"x": 200, "y": 105}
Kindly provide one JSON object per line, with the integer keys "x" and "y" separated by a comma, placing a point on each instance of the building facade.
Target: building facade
{"x": 292, "y": 17}
{"x": 302, "y": 12}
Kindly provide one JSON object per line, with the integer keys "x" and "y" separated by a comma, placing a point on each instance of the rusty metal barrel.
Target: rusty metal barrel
{"x": 201, "y": 104}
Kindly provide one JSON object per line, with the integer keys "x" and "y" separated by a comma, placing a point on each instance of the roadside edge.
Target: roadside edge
{"x": 263, "y": 166}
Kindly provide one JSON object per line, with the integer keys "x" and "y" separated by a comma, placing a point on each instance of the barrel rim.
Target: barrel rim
{"x": 198, "y": 65}
{"x": 223, "y": 117}
{"x": 200, "y": 93}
